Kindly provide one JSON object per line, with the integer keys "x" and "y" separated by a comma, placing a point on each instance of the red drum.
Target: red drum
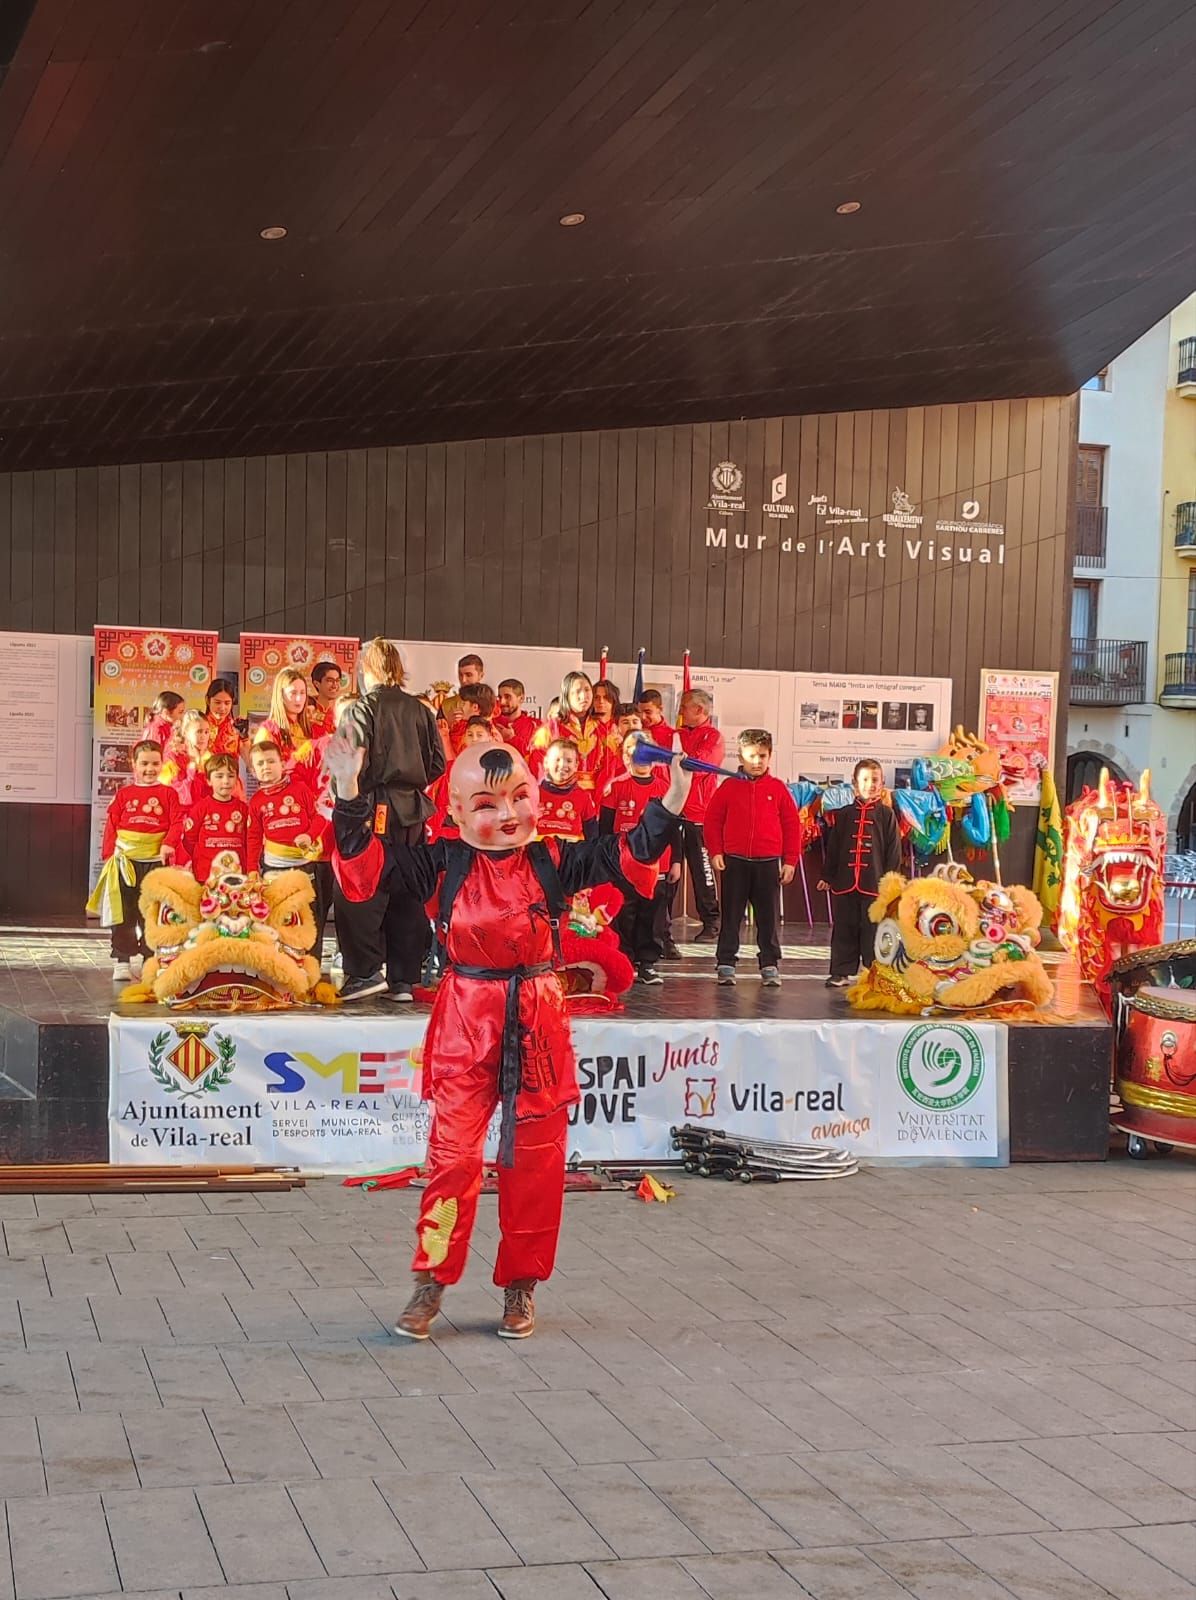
{"x": 1155, "y": 1023}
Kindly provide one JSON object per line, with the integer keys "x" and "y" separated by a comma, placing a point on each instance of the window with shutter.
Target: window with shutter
{"x": 1090, "y": 475}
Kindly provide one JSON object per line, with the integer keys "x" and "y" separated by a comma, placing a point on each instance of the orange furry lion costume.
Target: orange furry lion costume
{"x": 944, "y": 942}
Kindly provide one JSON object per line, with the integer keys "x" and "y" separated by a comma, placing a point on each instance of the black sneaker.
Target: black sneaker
{"x": 670, "y": 952}
{"x": 359, "y": 988}
{"x": 837, "y": 983}
{"x": 400, "y": 993}
{"x": 648, "y": 975}
{"x": 707, "y": 934}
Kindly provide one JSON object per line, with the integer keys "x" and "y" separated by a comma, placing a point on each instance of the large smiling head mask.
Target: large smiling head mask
{"x": 493, "y": 797}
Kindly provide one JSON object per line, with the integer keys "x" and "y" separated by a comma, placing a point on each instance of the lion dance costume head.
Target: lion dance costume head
{"x": 1115, "y": 838}
{"x": 236, "y": 943}
{"x": 947, "y": 943}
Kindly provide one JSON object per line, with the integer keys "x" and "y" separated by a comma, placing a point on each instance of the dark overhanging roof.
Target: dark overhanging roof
{"x": 1024, "y": 173}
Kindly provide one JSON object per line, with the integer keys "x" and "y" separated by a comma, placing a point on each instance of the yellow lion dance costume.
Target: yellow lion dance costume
{"x": 946, "y": 943}
{"x": 236, "y": 943}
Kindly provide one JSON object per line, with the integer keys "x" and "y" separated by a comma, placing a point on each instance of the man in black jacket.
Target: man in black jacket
{"x": 404, "y": 754}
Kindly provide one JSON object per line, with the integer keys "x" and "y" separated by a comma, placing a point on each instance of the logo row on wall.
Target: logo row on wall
{"x": 726, "y": 495}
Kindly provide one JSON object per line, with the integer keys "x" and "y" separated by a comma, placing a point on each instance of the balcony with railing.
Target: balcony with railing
{"x": 1179, "y": 681}
{"x": 1108, "y": 672}
{"x": 1185, "y": 529}
{"x": 1185, "y": 377}
{"x": 1092, "y": 531}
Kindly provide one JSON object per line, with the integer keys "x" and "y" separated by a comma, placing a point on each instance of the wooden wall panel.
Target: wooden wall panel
{"x": 573, "y": 539}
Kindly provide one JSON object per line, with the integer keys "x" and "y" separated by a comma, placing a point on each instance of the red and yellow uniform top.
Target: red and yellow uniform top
{"x": 285, "y": 828}
{"x": 226, "y": 741}
{"x": 147, "y": 810}
{"x": 299, "y": 757}
{"x": 626, "y": 800}
{"x": 567, "y": 813}
{"x": 211, "y": 828}
{"x": 323, "y": 721}
{"x": 187, "y": 776}
{"x": 139, "y": 818}
{"x": 518, "y": 731}
{"x": 587, "y": 733}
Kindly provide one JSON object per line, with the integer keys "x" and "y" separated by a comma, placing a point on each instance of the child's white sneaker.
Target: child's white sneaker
{"x": 136, "y": 966}
{"x": 122, "y": 972}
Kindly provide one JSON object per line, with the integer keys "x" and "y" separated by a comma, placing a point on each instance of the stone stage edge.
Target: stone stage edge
{"x": 56, "y": 994}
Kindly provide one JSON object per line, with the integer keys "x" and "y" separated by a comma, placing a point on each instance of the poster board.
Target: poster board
{"x": 264, "y": 655}
{"x": 45, "y": 719}
{"x": 539, "y": 668}
{"x": 132, "y": 667}
{"x": 840, "y": 719}
{"x": 1018, "y": 711}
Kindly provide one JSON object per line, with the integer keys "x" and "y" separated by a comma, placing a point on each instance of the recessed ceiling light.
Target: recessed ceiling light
{"x": 572, "y": 219}
{"x": 274, "y": 233}
{"x": 848, "y": 206}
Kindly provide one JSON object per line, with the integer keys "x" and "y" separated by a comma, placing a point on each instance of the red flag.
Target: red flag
{"x": 603, "y": 660}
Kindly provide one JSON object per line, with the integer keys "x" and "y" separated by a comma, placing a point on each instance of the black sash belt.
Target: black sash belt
{"x": 510, "y": 1072}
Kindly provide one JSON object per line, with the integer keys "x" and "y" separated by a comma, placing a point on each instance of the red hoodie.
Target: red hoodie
{"x": 212, "y": 827}
{"x": 754, "y": 818}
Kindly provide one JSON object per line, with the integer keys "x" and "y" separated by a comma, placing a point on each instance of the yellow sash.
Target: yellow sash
{"x": 105, "y": 899}
{"x": 278, "y": 856}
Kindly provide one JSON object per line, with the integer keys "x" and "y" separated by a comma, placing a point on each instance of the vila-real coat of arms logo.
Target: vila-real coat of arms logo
{"x": 194, "y": 1066}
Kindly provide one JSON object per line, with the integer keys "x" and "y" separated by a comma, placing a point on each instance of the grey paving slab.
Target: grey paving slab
{"x": 173, "y": 1448}
{"x": 506, "y": 1431}
{"x": 111, "y": 1378}
{"x": 635, "y": 1580}
{"x": 35, "y": 1381}
{"x": 343, "y": 1439}
{"x": 425, "y": 1435}
{"x": 21, "y": 1470}
{"x": 1125, "y": 1570}
{"x": 536, "y": 1518}
{"x": 343, "y": 1370}
{"x": 584, "y": 1426}
{"x": 809, "y": 1512}
{"x": 1116, "y": 1478}
{"x": 1054, "y": 1495}
{"x": 932, "y": 1570}
{"x": 191, "y": 1375}
{"x": 881, "y": 1496}
{"x": 721, "y": 1515}
{"x": 61, "y": 1323}
{"x": 352, "y": 1527}
{"x": 629, "y": 1516}
{"x": 732, "y": 1577}
{"x": 1173, "y": 1544}
{"x": 84, "y": 1453}
{"x": 268, "y": 1374}
{"x": 841, "y": 1574}
{"x": 160, "y": 1539}
{"x": 1027, "y": 1569}
{"x": 445, "y": 1521}
{"x": 61, "y": 1547}
{"x": 259, "y": 1444}
{"x": 569, "y": 1582}
{"x": 258, "y": 1535}
{"x": 444, "y": 1586}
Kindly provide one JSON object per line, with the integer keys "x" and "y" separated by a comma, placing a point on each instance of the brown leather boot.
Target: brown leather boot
{"x": 519, "y": 1311}
{"x": 422, "y": 1309}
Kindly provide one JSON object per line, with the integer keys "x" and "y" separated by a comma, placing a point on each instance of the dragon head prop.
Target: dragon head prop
{"x": 947, "y": 943}
{"x": 236, "y": 943}
{"x": 1112, "y": 899}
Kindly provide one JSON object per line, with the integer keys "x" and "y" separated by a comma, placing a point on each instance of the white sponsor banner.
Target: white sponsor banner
{"x": 45, "y": 719}
{"x": 342, "y": 1093}
{"x": 838, "y": 720}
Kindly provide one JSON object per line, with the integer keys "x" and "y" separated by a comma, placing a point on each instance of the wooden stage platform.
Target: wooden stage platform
{"x": 56, "y": 994}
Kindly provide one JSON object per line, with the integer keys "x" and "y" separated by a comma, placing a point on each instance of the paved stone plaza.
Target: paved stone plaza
{"x": 953, "y": 1386}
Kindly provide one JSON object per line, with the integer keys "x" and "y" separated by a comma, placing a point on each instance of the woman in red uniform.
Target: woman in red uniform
{"x": 290, "y": 725}
{"x": 499, "y": 1032}
{"x": 574, "y": 719}
{"x": 227, "y": 738}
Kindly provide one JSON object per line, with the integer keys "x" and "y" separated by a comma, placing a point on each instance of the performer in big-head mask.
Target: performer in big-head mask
{"x": 499, "y": 1032}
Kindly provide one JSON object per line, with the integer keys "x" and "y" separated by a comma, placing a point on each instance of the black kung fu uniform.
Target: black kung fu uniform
{"x": 862, "y": 845}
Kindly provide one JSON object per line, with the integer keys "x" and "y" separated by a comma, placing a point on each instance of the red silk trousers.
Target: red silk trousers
{"x": 530, "y": 1194}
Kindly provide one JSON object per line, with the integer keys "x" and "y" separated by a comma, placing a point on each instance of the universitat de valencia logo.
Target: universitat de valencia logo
{"x": 940, "y": 1065}
{"x": 194, "y": 1066}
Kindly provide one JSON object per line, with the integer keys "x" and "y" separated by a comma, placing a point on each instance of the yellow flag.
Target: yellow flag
{"x": 1048, "y": 852}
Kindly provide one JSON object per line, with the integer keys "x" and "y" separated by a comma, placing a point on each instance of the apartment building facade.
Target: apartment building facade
{"x": 1133, "y": 618}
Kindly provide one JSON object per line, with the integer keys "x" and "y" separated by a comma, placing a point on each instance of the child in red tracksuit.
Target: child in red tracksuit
{"x": 214, "y": 831}
{"x": 642, "y": 924}
{"x": 567, "y": 811}
{"x": 753, "y": 833}
{"x": 285, "y": 827}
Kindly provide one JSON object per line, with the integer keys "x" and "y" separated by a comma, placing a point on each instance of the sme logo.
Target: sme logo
{"x": 351, "y": 1071}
